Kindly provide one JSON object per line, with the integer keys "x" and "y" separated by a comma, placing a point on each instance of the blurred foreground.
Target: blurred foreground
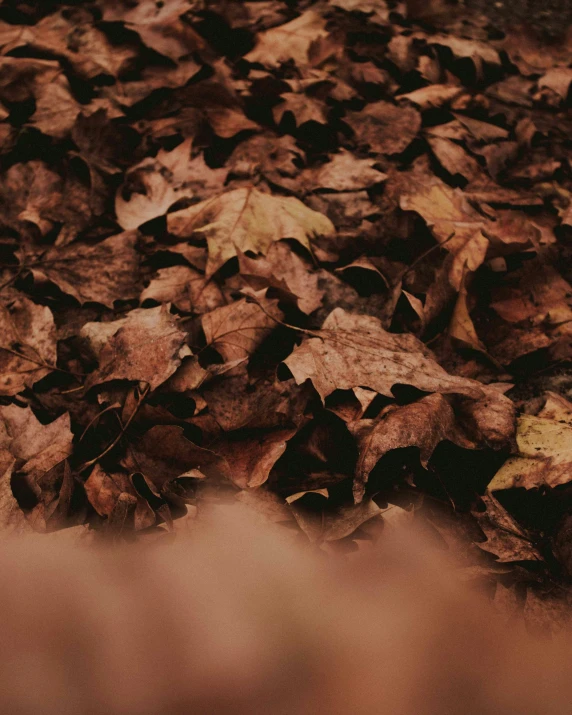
{"x": 237, "y": 619}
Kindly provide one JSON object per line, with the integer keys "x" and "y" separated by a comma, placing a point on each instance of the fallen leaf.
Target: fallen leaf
{"x": 27, "y": 344}
{"x": 146, "y": 346}
{"x": 505, "y": 538}
{"x": 282, "y": 269}
{"x": 291, "y": 41}
{"x": 384, "y": 127}
{"x": 185, "y": 288}
{"x": 422, "y": 424}
{"x": 102, "y": 273}
{"x": 237, "y": 330}
{"x": 544, "y": 455}
{"x": 355, "y": 351}
{"x": 247, "y": 220}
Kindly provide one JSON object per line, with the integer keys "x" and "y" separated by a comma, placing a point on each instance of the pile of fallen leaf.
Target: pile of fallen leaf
{"x": 306, "y": 255}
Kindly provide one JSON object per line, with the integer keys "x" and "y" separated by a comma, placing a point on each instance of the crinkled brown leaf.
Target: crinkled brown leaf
{"x": 146, "y": 346}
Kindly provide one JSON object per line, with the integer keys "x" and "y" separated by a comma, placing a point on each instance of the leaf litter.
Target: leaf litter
{"x": 310, "y": 256}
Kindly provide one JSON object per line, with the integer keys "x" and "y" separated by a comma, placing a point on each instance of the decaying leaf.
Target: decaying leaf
{"x": 385, "y": 128}
{"x": 146, "y": 346}
{"x": 421, "y": 424}
{"x": 505, "y": 538}
{"x": 102, "y": 273}
{"x": 27, "y": 344}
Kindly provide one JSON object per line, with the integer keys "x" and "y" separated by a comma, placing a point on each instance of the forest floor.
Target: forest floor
{"x": 311, "y": 256}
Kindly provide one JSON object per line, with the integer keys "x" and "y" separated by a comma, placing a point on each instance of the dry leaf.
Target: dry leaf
{"x": 385, "y": 128}
{"x": 247, "y": 220}
{"x": 27, "y": 344}
{"x": 146, "y": 346}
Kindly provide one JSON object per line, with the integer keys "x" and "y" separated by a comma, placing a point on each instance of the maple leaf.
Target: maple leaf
{"x": 185, "y": 288}
{"x": 424, "y": 424}
{"x": 103, "y": 273}
{"x": 282, "y": 269}
{"x": 73, "y": 36}
{"x": 506, "y": 539}
{"x": 453, "y": 222}
{"x": 291, "y": 41}
{"x": 160, "y": 27}
{"x": 146, "y": 346}
{"x": 237, "y": 330}
{"x": 344, "y": 173}
{"x": 27, "y": 344}
{"x": 355, "y": 351}
{"x": 154, "y": 185}
{"x": 303, "y": 108}
{"x": 385, "y": 127}
{"x": 247, "y": 220}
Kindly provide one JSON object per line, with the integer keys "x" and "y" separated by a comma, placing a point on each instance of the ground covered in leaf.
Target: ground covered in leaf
{"x": 310, "y": 256}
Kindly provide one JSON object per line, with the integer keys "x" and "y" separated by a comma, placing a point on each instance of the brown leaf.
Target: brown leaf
{"x": 247, "y": 220}
{"x": 505, "y": 538}
{"x": 102, "y": 273}
{"x": 238, "y": 329}
{"x": 303, "y": 108}
{"x": 268, "y": 155}
{"x": 384, "y": 127}
{"x": 291, "y": 41}
{"x": 27, "y": 344}
{"x": 154, "y": 185}
{"x": 146, "y": 346}
{"x": 544, "y": 455}
{"x": 163, "y": 454}
{"x": 355, "y": 351}
{"x": 160, "y": 27}
{"x": 185, "y": 288}
{"x": 422, "y": 424}
{"x": 344, "y": 173}
{"x": 250, "y": 459}
{"x": 281, "y": 268}
{"x": 105, "y": 489}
